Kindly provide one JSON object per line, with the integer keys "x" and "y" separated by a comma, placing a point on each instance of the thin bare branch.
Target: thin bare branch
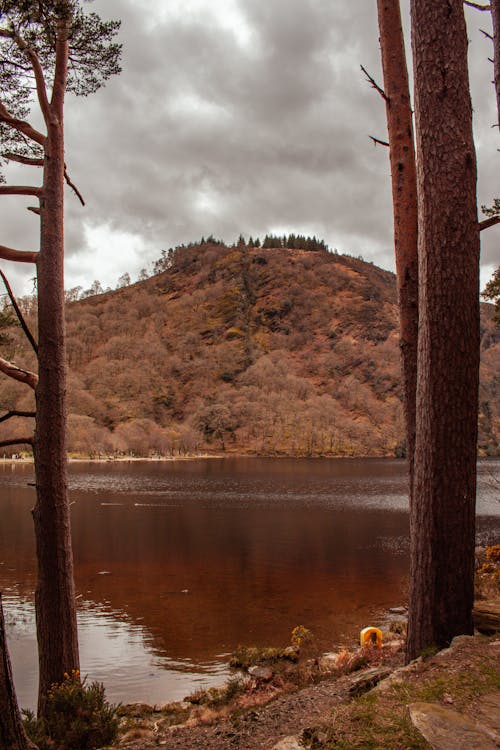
{"x": 477, "y": 6}
{"x": 30, "y": 161}
{"x": 20, "y": 256}
{"x": 22, "y": 126}
{"x": 17, "y": 441}
{"x": 377, "y": 140}
{"x": 15, "y": 372}
{"x": 11, "y": 414}
{"x": 19, "y": 314}
{"x": 487, "y": 35}
{"x": 374, "y": 84}
{"x": 33, "y": 209}
{"x": 30, "y": 53}
{"x": 73, "y": 187}
{"x": 487, "y": 223}
{"x": 41, "y": 88}
{"x": 11, "y": 63}
{"x": 21, "y": 190}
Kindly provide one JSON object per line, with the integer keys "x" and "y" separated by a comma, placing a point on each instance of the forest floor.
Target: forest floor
{"x": 306, "y": 706}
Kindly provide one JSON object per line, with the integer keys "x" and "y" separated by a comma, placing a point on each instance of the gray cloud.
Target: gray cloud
{"x": 252, "y": 127}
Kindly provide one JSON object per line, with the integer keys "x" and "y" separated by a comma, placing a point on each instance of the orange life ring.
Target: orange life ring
{"x": 371, "y": 637}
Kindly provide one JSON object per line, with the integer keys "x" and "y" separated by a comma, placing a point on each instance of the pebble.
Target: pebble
{"x": 289, "y": 743}
{"x": 263, "y": 674}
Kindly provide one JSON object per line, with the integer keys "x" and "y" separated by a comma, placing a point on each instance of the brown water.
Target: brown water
{"x": 177, "y": 563}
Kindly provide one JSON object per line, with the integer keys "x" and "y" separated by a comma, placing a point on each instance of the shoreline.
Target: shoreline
{"x": 205, "y": 456}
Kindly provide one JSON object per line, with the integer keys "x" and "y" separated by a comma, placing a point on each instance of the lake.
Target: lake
{"x": 179, "y": 562}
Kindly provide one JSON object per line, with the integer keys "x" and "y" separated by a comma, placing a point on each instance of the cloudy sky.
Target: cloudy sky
{"x": 237, "y": 116}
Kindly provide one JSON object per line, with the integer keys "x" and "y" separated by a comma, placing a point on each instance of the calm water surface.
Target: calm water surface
{"x": 177, "y": 563}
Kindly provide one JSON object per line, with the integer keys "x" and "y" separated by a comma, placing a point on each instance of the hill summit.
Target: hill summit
{"x": 248, "y": 349}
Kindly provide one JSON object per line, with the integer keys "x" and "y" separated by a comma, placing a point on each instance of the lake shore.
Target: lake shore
{"x": 372, "y": 706}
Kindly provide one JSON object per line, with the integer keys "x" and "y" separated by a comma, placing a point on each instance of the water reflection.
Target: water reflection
{"x": 178, "y": 563}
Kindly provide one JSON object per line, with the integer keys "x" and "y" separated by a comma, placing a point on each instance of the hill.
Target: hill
{"x": 267, "y": 350}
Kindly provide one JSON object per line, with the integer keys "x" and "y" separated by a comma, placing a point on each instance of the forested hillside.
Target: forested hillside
{"x": 267, "y": 350}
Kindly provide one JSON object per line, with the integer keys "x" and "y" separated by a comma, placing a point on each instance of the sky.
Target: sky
{"x": 237, "y": 117}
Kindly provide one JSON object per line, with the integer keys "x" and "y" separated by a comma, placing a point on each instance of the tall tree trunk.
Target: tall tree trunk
{"x": 495, "y": 13}
{"x": 404, "y": 201}
{"x": 443, "y": 512}
{"x": 55, "y": 594}
{"x": 12, "y": 734}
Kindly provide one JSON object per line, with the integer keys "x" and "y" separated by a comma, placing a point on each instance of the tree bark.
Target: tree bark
{"x": 442, "y": 517}
{"x": 12, "y": 734}
{"x": 404, "y": 201}
{"x": 55, "y": 594}
{"x": 495, "y": 14}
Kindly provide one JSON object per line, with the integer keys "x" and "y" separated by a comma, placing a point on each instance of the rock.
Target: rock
{"x": 291, "y": 652}
{"x": 289, "y": 743}
{"x": 368, "y": 679}
{"x": 357, "y": 661}
{"x": 445, "y": 729}
{"x": 488, "y": 713}
{"x": 261, "y": 674}
{"x": 486, "y": 616}
{"x": 461, "y": 640}
{"x": 394, "y": 645}
{"x": 457, "y": 642}
{"x": 328, "y": 662}
{"x": 398, "y": 675}
{"x": 133, "y": 735}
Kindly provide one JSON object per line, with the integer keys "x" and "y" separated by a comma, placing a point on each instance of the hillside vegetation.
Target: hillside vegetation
{"x": 267, "y": 350}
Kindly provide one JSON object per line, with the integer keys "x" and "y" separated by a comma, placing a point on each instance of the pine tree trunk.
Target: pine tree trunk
{"x": 404, "y": 201}
{"x": 12, "y": 734}
{"x": 495, "y": 13}
{"x": 55, "y": 594}
{"x": 442, "y": 517}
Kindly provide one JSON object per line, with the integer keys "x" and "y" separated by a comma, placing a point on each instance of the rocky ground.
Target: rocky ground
{"x": 455, "y": 693}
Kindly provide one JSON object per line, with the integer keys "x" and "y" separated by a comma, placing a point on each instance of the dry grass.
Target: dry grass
{"x": 380, "y": 719}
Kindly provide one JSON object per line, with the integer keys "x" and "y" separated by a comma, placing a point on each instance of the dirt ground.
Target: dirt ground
{"x": 326, "y": 711}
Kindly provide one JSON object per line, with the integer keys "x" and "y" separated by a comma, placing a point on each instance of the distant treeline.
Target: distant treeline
{"x": 291, "y": 242}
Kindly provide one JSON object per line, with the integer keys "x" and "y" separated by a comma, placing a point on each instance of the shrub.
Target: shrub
{"x": 301, "y": 636}
{"x": 493, "y": 553}
{"x": 78, "y": 717}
